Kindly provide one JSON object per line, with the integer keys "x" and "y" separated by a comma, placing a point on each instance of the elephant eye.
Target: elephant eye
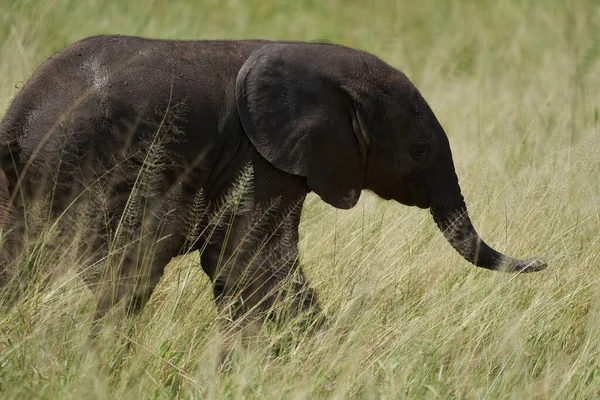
{"x": 420, "y": 151}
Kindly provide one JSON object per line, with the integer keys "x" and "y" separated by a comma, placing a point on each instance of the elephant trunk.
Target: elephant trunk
{"x": 450, "y": 214}
{"x": 459, "y": 231}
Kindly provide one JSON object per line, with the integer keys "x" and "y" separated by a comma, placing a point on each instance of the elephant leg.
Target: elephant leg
{"x": 301, "y": 300}
{"x": 255, "y": 278}
{"x": 129, "y": 278}
{"x": 247, "y": 296}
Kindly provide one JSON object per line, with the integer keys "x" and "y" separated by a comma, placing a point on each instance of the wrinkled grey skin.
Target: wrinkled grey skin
{"x": 305, "y": 116}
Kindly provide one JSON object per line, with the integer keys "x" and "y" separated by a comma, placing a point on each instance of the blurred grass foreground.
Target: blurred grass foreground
{"x": 516, "y": 85}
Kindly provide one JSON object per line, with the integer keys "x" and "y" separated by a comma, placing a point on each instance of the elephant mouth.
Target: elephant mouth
{"x": 420, "y": 195}
{"x": 424, "y": 204}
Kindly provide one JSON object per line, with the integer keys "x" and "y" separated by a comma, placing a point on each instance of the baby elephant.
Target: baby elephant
{"x": 165, "y": 147}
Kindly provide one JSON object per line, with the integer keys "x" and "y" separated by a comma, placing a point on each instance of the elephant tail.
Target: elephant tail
{"x": 6, "y": 208}
{"x": 10, "y": 126}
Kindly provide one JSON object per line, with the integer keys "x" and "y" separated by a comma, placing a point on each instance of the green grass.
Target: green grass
{"x": 516, "y": 85}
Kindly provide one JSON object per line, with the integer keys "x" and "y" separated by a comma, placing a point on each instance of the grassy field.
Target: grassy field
{"x": 516, "y": 85}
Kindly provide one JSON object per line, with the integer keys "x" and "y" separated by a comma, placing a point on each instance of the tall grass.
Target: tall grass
{"x": 516, "y": 86}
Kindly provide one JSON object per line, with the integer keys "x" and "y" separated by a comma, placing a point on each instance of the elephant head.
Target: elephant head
{"x": 347, "y": 121}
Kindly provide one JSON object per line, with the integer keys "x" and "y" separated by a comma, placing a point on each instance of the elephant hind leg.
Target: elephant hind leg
{"x": 127, "y": 283}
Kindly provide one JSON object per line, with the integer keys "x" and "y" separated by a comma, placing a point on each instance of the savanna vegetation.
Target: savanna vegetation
{"x": 516, "y": 85}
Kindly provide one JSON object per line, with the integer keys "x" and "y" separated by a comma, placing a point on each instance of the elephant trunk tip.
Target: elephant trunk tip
{"x": 526, "y": 266}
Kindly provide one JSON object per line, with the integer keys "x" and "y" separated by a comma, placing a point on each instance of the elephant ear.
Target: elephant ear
{"x": 300, "y": 116}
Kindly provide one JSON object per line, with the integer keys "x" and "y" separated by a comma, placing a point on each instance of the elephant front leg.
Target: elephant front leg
{"x": 254, "y": 282}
